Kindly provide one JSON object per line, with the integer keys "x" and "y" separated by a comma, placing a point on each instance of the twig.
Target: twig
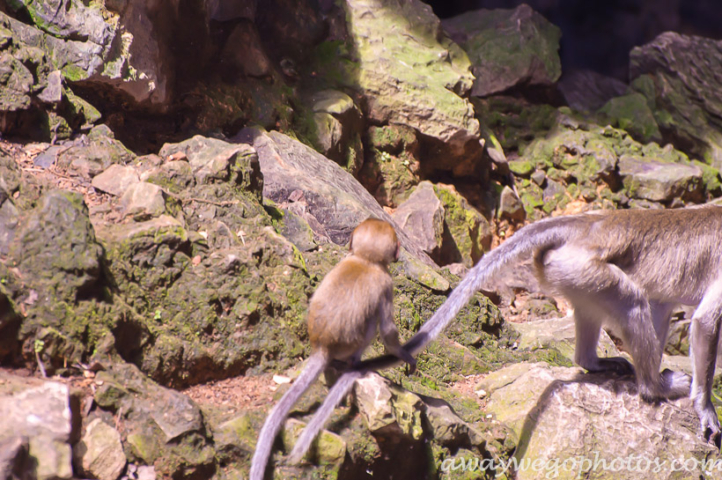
{"x": 224, "y": 203}
{"x": 200, "y": 200}
{"x": 40, "y": 364}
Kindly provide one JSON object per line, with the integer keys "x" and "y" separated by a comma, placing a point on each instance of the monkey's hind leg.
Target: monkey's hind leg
{"x": 677, "y": 384}
{"x": 587, "y": 338}
{"x": 600, "y": 290}
{"x": 703, "y": 348}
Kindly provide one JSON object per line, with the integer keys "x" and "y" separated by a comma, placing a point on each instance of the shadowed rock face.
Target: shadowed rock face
{"x": 507, "y": 48}
{"x": 678, "y": 75}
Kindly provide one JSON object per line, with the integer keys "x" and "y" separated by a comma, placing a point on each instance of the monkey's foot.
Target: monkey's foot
{"x": 618, "y": 365}
{"x": 676, "y": 384}
{"x": 709, "y": 424}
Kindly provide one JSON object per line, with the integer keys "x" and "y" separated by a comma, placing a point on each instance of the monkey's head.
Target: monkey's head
{"x": 376, "y": 241}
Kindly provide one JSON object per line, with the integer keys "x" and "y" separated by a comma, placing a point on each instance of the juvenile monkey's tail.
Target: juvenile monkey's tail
{"x": 547, "y": 233}
{"x": 315, "y": 364}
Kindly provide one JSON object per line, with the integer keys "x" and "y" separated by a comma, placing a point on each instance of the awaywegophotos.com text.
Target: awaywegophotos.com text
{"x": 581, "y": 465}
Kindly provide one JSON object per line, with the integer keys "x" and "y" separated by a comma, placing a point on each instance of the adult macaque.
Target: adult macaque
{"x": 625, "y": 269}
{"x": 354, "y": 299}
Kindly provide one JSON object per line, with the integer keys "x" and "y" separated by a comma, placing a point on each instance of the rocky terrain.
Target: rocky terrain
{"x": 177, "y": 177}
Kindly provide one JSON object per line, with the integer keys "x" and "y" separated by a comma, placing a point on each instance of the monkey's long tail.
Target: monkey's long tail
{"x": 545, "y": 233}
{"x": 315, "y": 364}
{"x": 335, "y": 395}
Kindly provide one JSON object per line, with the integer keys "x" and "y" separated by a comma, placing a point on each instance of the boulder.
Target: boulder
{"x": 116, "y": 179}
{"x": 392, "y": 164}
{"x": 467, "y": 232}
{"x": 99, "y": 454}
{"x": 659, "y": 181}
{"x": 332, "y": 195}
{"x": 558, "y": 333}
{"x": 421, "y": 217}
{"x": 161, "y": 427}
{"x": 410, "y": 74}
{"x": 143, "y": 200}
{"x": 39, "y": 412}
{"x": 507, "y": 48}
{"x": 632, "y": 114}
{"x": 679, "y": 76}
{"x": 510, "y": 206}
{"x": 572, "y": 424}
{"x": 338, "y": 128}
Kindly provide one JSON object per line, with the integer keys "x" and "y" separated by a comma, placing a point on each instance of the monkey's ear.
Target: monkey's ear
{"x": 397, "y": 252}
{"x": 350, "y": 243}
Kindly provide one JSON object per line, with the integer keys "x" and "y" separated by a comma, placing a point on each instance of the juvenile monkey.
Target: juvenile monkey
{"x": 626, "y": 269}
{"x": 354, "y": 299}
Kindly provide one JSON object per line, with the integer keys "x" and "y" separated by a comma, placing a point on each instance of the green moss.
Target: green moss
{"x": 514, "y": 123}
{"x": 632, "y": 114}
{"x": 532, "y": 197}
{"x": 521, "y": 167}
{"x": 469, "y": 229}
{"x": 73, "y": 73}
{"x": 144, "y": 447}
{"x": 710, "y": 177}
{"x": 334, "y": 64}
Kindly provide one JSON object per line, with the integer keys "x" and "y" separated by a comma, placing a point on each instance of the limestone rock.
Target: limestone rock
{"x": 140, "y": 66}
{"x": 388, "y": 410}
{"x": 331, "y": 194}
{"x": 679, "y": 76}
{"x": 409, "y": 73}
{"x": 116, "y": 179}
{"x": 507, "y": 48}
{"x": 391, "y": 412}
{"x": 71, "y": 18}
{"x": 100, "y": 452}
{"x": 632, "y": 114}
{"x": 9, "y": 218}
{"x": 161, "y": 424}
{"x": 53, "y": 92}
{"x": 559, "y": 333}
{"x": 510, "y": 207}
{"x": 470, "y": 232}
{"x": 586, "y": 424}
{"x": 424, "y": 274}
{"x": 16, "y": 85}
{"x": 57, "y": 238}
{"x": 338, "y": 124}
{"x": 95, "y": 153}
{"x": 212, "y": 160}
{"x": 143, "y": 200}
{"x": 421, "y": 216}
{"x": 392, "y": 165}
{"x": 329, "y": 447}
{"x": 39, "y": 411}
{"x": 14, "y": 460}
{"x": 659, "y": 181}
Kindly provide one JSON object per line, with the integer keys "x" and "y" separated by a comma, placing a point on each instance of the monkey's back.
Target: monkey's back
{"x": 344, "y": 311}
{"x": 674, "y": 249}
{"x": 668, "y": 253}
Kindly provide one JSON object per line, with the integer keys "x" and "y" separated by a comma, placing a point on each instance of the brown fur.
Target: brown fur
{"x": 352, "y": 302}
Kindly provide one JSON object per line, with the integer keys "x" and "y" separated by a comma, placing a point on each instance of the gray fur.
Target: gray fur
{"x": 315, "y": 364}
{"x": 625, "y": 269}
